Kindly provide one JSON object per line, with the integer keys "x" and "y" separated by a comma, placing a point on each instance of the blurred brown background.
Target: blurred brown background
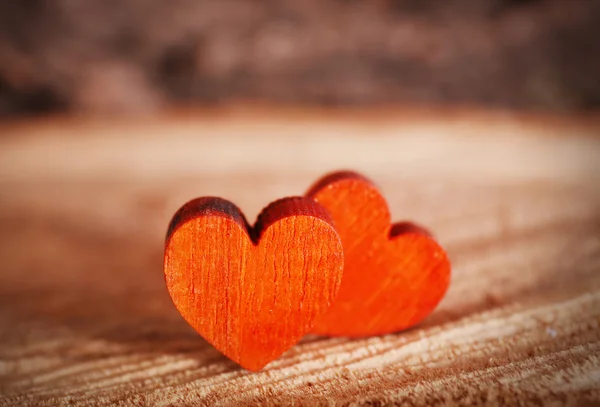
{"x": 138, "y": 55}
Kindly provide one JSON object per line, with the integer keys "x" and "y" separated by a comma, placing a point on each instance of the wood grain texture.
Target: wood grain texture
{"x": 252, "y": 293}
{"x": 394, "y": 274}
{"x": 85, "y": 317}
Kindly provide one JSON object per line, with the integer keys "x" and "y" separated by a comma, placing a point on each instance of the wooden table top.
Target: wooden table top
{"x": 85, "y": 317}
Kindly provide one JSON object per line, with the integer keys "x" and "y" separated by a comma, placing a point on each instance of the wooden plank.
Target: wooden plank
{"x": 85, "y": 317}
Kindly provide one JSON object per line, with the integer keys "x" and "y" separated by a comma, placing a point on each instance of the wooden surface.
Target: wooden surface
{"x": 253, "y": 292}
{"x": 85, "y": 317}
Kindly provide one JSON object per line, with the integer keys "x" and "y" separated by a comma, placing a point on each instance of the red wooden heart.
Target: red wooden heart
{"x": 394, "y": 275}
{"x": 252, "y": 292}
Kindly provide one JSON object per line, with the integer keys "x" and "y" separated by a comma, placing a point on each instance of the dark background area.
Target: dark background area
{"x": 137, "y": 55}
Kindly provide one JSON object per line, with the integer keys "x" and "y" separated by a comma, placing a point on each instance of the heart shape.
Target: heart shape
{"x": 394, "y": 275}
{"x": 252, "y": 292}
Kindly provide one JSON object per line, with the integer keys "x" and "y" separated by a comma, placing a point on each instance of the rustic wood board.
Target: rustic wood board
{"x": 85, "y": 318}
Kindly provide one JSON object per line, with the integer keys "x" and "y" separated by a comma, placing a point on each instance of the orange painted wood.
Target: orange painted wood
{"x": 252, "y": 292}
{"x": 394, "y": 274}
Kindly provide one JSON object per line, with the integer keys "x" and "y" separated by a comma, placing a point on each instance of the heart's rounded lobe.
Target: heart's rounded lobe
{"x": 252, "y": 292}
{"x": 394, "y": 275}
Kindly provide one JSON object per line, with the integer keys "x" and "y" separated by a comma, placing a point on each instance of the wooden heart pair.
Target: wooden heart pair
{"x": 329, "y": 263}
